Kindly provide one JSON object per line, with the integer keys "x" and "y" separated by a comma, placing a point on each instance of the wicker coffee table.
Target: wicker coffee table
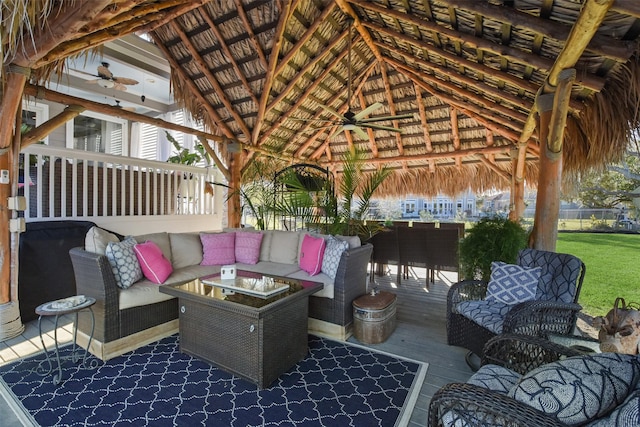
{"x": 250, "y": 336}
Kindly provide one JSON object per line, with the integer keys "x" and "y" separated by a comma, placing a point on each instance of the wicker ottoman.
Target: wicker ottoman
{"x": 374, "y": 317}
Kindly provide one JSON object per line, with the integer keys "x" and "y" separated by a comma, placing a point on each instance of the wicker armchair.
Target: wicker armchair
{"x": 472, "y": 405}
{"x": 554, "y": 309}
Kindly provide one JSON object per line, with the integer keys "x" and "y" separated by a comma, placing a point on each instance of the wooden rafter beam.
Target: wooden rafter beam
{"x": 146, "y": 23}
{"x": 318, "y": 151}
{"x": 60, "y": 29}
{"x": 252, "y": 36}
{"x": 372, "y": 140}
{"x": 601, "y": 45}
{"x": 478, "y": 99}
{"x": 462, "y": 80}
{"x": 194, "y": 90}
{"x": 278, "y": 38}
{"x": 443, "y": 155}
{"x": 588, "y": 22}
{"x": 310, "y": 141}
{"x": 392, "y": 105}
{"x": 349, "y": 137}
{"x": 485, "y": 111}
{"x": 295, "y": 49}
{"x": 482, "y": 116}
{"x": 39, "y": 92}
{"x": 627, "y": 7}
{"x": 302, "y": 98}
{"x": 229, "y": 55}
{"x": 518, "y": 83}
{"x": 301, "y": 74}
{"x": 213, "y": 81}
{"x": 513, "y": 54}
{"x": 455, "y": 132}
{"x": 36, "y": 134}
{"x": 491, "y": 165}
{"x": 423, "y": 118}
{"x": 490, "y": 143}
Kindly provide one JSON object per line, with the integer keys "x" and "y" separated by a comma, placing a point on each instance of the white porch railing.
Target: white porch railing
{"x": 64, "y": 184}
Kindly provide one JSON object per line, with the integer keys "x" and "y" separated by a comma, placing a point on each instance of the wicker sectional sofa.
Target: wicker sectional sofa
{"x": 128, "y": 318}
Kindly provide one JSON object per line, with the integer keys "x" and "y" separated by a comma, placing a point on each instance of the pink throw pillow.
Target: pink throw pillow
{"x": 248, "y": 247}
{"x": 154, "y": 265}
{"x": 218, "y": 248}
{"x": 311, "y": 254}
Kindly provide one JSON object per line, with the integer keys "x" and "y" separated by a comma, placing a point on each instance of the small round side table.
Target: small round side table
{"x": 52, "y": 309}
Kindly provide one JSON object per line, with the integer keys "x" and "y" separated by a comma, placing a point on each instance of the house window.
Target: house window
{"x": 409, "y": 207}
{"x": 98, "y": 133}
{"x": 33, "y": 115}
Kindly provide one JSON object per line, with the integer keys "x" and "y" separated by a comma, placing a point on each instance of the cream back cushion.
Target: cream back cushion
{"x": 97, "y": 240}
{"x": 186, "y": 249}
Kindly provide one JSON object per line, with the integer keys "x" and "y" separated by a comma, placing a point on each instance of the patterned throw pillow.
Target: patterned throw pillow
{"x": 579, "y": 388}
{"x": 218, "y": 248}
{"x": 332, "y": 254}
{"x": 124, "y": 263}
{"x": 311, "y": 254}
{"x": 625, "y": 415}
{"x": 155, "y": 266}
{"x": 248, "y": 247}
{"x": 494, "y": 377}
{"x": 512, "y": 284}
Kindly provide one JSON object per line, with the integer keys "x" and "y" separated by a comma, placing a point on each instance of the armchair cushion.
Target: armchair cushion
{"x": 489, "y": 314}
{"x": 512, "y": 284}
{"x": 580, "y": 388}
{"x": 494, "y": 377}
{"x": 560, "y": 276}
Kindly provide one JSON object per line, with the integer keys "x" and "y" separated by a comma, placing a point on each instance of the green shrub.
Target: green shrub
{"x": 490, "y": 239}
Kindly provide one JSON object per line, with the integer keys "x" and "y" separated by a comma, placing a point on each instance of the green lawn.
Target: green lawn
{"x": 613, "y": 267}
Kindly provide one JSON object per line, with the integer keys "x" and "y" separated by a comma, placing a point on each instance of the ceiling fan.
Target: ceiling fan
{"x": 117, "y": 105}
{"x": 355, "y": 122}
{"x": 107, "y": 80}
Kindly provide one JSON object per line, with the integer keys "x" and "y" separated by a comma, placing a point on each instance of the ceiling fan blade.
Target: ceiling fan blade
{"x": 362, "y": 134}
{"x": 93, "y": 81}
{"x": 332, "y": 111}
{"x": 332, "y": 122}
{"x": 125, "y": 80}
{"x": 104, "y": 71}
{"x": 119, "y": 86}
{"x": 379, "y": 127}
{"x": 384, "y": 118}
{"x": 370, "y": 109}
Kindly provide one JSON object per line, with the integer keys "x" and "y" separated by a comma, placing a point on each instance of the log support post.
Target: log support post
{"x": 517, "y": 185}
{"x": 234, "y": 208}
{"x": 11, "y": 113}
{"x": 553, "y": 109}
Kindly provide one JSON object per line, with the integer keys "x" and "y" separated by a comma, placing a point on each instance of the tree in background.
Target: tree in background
{"x": 617, "y": 185}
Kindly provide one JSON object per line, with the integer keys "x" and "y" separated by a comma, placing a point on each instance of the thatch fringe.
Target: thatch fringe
{"x": 448, "y": 180}
{"x": 603, "y": 131}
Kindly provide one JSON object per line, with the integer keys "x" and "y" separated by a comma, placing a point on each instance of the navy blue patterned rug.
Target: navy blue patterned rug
{"x": 337, "y": 384}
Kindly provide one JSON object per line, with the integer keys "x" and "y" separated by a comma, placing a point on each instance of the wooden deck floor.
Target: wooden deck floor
{"x": 420, "y": 335}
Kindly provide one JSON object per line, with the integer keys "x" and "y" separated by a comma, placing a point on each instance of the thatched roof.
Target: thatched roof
{"x": 468, "y": 71}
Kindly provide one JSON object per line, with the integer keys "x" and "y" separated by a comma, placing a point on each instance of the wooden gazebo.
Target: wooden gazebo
{"x": 489, "y": 93}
